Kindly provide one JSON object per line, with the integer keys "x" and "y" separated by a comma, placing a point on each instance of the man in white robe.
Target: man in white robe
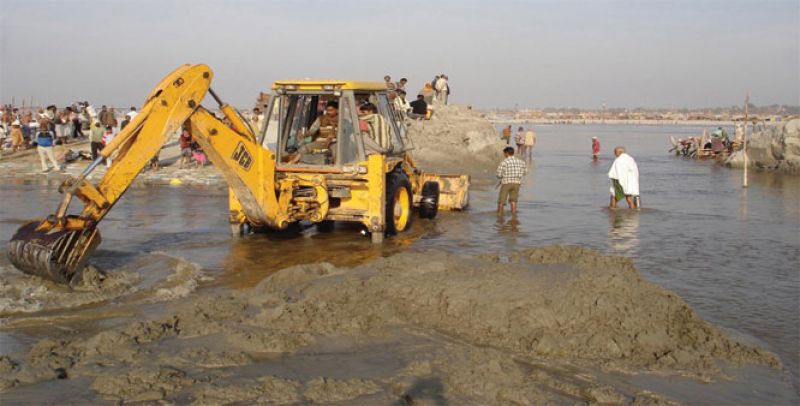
{"x": 624, "y": 175}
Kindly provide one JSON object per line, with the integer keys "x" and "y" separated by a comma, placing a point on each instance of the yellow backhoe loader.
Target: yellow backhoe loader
{"x": 361, "y": 172}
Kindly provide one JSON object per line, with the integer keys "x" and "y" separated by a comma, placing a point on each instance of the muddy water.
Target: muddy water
{"x": 730, "y": 253}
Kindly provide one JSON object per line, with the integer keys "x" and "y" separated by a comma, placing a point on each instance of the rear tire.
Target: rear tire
{"x": 398, "y": 203}
{"x": 429, "y": 206}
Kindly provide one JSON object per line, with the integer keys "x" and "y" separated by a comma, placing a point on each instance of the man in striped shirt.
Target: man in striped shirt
{"x": 510, "y": 173}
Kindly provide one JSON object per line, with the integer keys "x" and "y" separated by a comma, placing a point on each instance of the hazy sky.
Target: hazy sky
{"x": 497, "y": 53}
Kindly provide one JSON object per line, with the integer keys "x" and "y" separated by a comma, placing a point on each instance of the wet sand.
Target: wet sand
{"x": 521, "y": 330}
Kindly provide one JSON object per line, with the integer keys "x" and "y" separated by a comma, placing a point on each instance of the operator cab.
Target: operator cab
{"x": 332, "y": 124}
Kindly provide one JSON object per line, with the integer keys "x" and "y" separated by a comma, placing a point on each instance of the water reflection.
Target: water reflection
{"x": 508, "y": 226}
{"x": 623, "y": 237}
{"x": 251, "y": 259}
{"x": 785, "y": 187}
{"x": 743, "y": 205}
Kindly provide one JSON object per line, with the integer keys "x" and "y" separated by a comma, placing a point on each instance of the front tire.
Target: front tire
{"x": 429, "y": 206}
{"x": 398, "y": 203}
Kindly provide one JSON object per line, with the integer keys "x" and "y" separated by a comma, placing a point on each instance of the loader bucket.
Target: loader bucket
{"x": 52, "y": 253}
{"x": 453, "y": 190}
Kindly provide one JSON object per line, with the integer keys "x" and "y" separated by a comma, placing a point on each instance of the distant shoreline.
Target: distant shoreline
{"x": 615, "y": 122}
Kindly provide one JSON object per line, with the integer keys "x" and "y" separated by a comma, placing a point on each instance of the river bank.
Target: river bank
{"x": 25, "y": 165}
{"x": 706, "y": 123}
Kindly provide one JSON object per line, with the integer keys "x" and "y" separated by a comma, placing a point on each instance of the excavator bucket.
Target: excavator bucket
{"x": 453, "y": 190}
{"x": 52, "y": 253}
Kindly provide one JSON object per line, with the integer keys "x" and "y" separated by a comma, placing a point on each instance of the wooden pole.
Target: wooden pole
{"x": 744, "y": 146}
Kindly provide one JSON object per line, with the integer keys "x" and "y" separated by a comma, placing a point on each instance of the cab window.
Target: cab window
{"x": 349, "y": 149}
{"x": 385, "y": 109}
{"x": 298, "y": 114}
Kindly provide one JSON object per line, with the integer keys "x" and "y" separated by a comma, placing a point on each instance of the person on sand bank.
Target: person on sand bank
{"x": 389, "y": 84}
{"x": 442, "y": 89}
{"x": 427, "y": 93}
{"x": 507, "y": 134}
{"x": 154, "y": 164}
{"x": 45, "y": 139}
{"x": 74, "y": 118}
{"x": 185, "y": 143}
{"x": 17, "y": 139}
{"x": 595, "y": 148}
{"x": 96, "y": 138}
{"x": 124, "y": 123}
{"x": 63, "y": 127}
{"x": 108, "y": 136}
{"x": 624, "y": 175}
{"x": 401, "y": 104}
{"x": 419, "y": 108}
{"x": 510, "y": 173}
{"x": 256, "y": 120}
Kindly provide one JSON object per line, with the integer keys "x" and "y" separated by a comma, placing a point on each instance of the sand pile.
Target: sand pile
{"x": 418, "y": 328}
{"x": 456, "y": 135}
{"x": 774, "y": 146}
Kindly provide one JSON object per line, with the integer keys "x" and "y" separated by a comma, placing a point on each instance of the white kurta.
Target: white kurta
{"x": 624, "y": 170}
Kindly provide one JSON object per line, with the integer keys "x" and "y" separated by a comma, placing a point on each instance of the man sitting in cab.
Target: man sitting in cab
{"x": 323, "y": 131}
{"x": 375, "y": 129}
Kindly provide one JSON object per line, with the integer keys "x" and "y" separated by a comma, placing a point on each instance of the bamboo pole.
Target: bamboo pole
{"x": 744, "y": 146}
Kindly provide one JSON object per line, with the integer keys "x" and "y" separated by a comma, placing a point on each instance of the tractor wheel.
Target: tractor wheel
{"x": 429, "y": 205}
{"x": 398, "y": 203}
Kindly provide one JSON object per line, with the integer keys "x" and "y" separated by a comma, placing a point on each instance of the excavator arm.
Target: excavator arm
{"x": 57, "y": 247}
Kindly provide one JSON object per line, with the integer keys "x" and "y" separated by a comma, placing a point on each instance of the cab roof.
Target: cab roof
{"x": 310, "y": 84}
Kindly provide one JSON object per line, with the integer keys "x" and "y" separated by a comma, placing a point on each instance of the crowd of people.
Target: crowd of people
{"x": 718, "y": 143}
{"x": 433, "y": 93}
{"x": 525, "y": 140}
{"x": 47, "y": 129}
{"x": 18, "y": 128}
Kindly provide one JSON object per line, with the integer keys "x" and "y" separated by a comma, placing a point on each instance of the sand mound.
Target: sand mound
{"x": 491, "y": 330}
{"x": 455, "y": 135}
{"x": 603, "y": 311}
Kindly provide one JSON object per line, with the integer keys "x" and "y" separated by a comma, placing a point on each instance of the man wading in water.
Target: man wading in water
{"x": 510, "y": 172}
{"x": 624, "y": 175}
